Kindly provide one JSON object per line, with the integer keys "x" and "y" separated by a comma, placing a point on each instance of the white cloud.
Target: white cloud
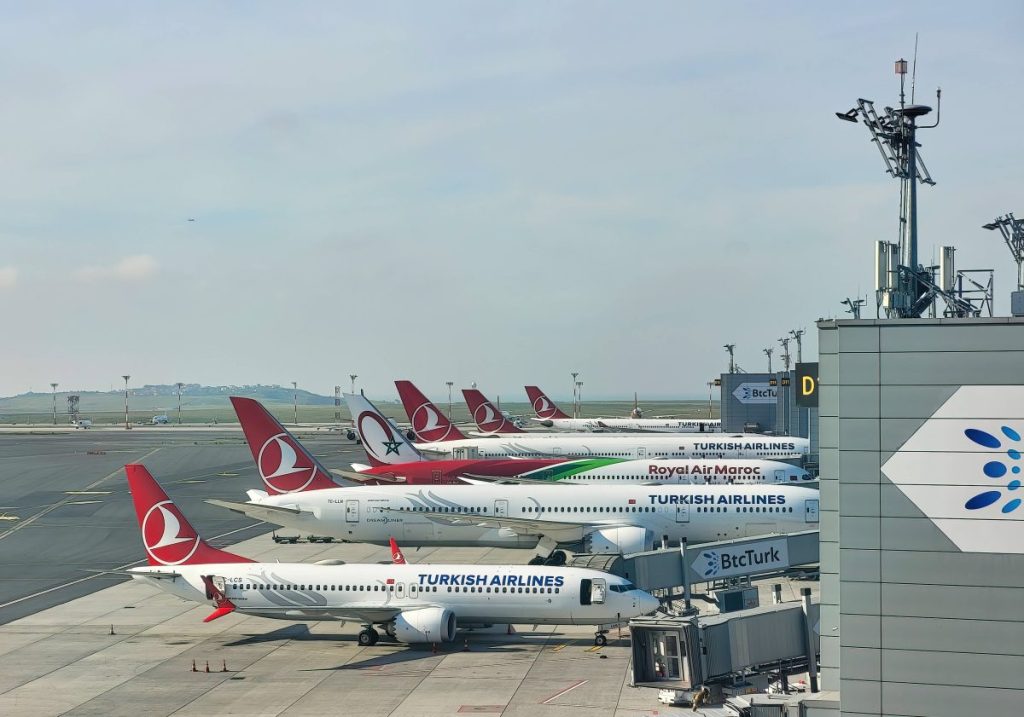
{"x": 131, "y": 268}
{"x": 8, "y": 277}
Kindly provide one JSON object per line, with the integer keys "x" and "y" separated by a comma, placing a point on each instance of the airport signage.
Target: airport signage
{"x": 744, "y": 559}
{"x": 807, "y": 384}
{"x": 760, "y": 392}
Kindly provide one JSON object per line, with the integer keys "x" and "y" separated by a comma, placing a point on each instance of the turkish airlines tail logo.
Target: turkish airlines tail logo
{"x": 487, "y": 417}
{"x": 285, "y": 466}
{"x": 543, "y": 406}
{"x": 167, "y": 535}
{"x": 396, "y": 553}
{"x": 428, "y": 423}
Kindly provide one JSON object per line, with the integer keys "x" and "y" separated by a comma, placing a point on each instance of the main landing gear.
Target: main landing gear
{"x": 368, "y": 637}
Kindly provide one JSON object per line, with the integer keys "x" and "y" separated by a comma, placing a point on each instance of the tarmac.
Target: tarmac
{"x": 77, "y": 641}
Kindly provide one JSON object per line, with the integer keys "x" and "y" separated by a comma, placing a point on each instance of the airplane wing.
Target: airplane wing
{"x": 490, "y": 480}
{"x": 372, "y": 613}
{"x": 268, "y": 513}
{"x": 366, "y": 477}
{"x": 522, "y": 526}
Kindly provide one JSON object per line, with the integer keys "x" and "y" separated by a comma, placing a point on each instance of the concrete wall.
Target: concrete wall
{"x": 922, "y": 596}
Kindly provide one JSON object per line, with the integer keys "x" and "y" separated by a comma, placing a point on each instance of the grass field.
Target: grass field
{"x": 110, "y": 411}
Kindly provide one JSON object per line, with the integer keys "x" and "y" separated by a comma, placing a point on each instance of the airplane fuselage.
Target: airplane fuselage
{"x": 671, "y": 471}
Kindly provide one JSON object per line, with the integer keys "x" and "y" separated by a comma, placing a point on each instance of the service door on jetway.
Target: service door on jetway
{"x": 682, "y": 513}
{"x": 351, "y": 511}
{"x": 811, "y": 510}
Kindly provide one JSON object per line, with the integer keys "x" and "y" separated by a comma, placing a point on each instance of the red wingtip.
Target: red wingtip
{"x": 283, "y": 463}
{"x": 167, "y": 535}
{"x": 543, "y": 406}
{"x": 486, "y": 415}
{"x": 396, "y": 553}
{"x": 428, "y": 422}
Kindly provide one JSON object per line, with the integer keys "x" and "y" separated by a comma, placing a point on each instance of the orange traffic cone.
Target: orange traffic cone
{"x": 207, "y": 665}
{"x": 194, "y": 666}
{"x": 224, "y": 666}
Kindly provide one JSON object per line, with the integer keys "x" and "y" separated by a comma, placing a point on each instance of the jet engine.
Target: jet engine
{"x": 432, "y": 624}
{"x": 619, "y": 540}
{"x": 547, "y": 423}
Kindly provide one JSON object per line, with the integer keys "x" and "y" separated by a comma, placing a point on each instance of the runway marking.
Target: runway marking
{"x": 595, "y": 648}
{"x": 119, "y": 567}
{"x": 560, "y": 647}
{"x": 88, "y": 492}
{"x": 566, "y": 691}
{"x": 9, "y": 517}
{"x": 83, "y": 502}
{"x": 58, "y": 504}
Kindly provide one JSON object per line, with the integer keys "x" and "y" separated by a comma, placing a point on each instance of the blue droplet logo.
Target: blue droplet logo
{"x": 983, "y": 500}
{"x": 1010, "y": 433}
{"x": 1012, "y": 505}
{"x": 1014, "y": 454}
{"x": 994, "y": 469}
{"x": 982, "y": 438}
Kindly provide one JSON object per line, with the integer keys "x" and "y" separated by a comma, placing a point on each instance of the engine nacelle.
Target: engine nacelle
{"x": 619, "y": 540}
{"x": 547, "y": 423}
{"x": 432, "y": 624}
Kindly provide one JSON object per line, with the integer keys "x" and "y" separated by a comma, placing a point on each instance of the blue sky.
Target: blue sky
{"x": 479, "y": 191}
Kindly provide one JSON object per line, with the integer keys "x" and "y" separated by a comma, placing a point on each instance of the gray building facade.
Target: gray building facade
{"x": 921, "y": 425}
{"x": 748, "y": 399}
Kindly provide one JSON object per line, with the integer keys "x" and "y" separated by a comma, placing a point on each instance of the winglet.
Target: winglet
{"x": 543, "y": 406}
{"x": 428, "y": 422}
{"x": 486, "y": 415}
{"x": 167, "y": 535}
{"x": 283, "y": 463}
{"x": 396, "y": 553}
{"x": 221, "y": 602}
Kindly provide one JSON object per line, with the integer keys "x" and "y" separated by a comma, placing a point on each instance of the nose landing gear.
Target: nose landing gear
{"x": 600, "y": 639}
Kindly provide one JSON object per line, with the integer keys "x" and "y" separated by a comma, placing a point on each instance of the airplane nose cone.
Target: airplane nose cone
{"x": 648, "y": 604}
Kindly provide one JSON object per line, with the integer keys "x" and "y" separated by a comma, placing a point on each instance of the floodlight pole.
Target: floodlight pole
{"x": 797, "y": 335}
{"x": 353, "y": 378}
{"x": 768, "y": 352}
{"x": 295, "y": 403}
{"x": 53, "y": 386}
{"x": 127, "y": 425}
{"x": 785, "y": 353}
{"x": 731, "y": 348}
{"x": 449, "y": 384}
{"x": 180, "y": 385}
{"x": 574, "y": 374}
{"x": 579, "y": 395}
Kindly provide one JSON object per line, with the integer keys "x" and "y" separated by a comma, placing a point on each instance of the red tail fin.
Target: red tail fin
{"x": 396, "y": 553}
{"x": 284, "y": 465}
{"x": 167, "y": 535}
{"x": 428, "y": 423}
{"x": 486, "y": 415}
{"x": 543, "y": 406}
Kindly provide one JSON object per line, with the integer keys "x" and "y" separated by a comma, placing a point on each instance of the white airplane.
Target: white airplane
{"x": 413, "y": 603}
{"x": 551, "y": 416}
{"x": 669, "y": 471}
{"x": 592, "y": 518}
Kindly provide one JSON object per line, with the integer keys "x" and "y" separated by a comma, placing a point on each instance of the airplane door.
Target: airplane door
{"x": 400, "y": 590}
{"x": 682, "y": 513}
{"x": 780, "y": 476}
{"x": 351, "y": 511}
{"x": 641, "y": 452}
{"x": 592, "y": 592}
{"x": 414, "y": 590}
{"x": 501, "y": 508}
{"x": 811, "y": 510}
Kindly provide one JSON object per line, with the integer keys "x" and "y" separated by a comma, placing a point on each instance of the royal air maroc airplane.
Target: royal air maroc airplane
{"x": 551, "y": 416}
{"x": 668, "y": 471}
{"x": 591, "y": 518}
{"x": 412, "y": 603}
{"x": 275, "y": 454}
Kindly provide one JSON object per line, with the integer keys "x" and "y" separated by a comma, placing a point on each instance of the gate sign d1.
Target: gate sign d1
{"x": 759, "y": 392}
{"x": 807, "y": 384}
{"x": 724, "y": 562}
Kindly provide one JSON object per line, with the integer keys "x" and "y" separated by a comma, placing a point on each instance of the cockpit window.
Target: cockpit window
{"x": 624, "y": 588}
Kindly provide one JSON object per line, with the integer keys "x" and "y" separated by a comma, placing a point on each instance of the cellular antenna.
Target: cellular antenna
{"x": 1012, "y": 230}
{"x": 913, "y": 72}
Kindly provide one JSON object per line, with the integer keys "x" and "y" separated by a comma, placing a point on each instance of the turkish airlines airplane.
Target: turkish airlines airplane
{"x": 277, "y": 457}
{"x": 551, "y": 416}
{"x": 488, "y": 417}
{"x": 412, "y": 603}
{"x": 593, "y": 518}
{"x": 429, "y": 423}
{"x": 686, "y": 472}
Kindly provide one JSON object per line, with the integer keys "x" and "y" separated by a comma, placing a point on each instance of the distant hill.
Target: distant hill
{"x": 162, "y": 397}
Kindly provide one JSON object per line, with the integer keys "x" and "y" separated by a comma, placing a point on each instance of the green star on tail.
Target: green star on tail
{"x": 392, "y": 447}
